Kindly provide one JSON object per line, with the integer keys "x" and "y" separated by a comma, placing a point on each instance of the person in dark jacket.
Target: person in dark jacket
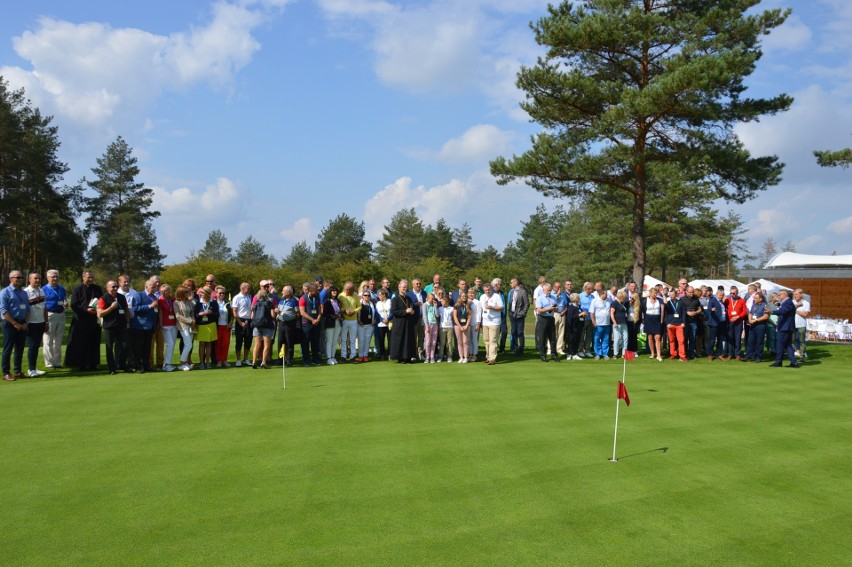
{"x": 84, "y": 337}
{"x": 519, "y": 304}
{"x": 714, "y": 317}
{"x": 403, "y": 343}
{"x": 786, "y": 312}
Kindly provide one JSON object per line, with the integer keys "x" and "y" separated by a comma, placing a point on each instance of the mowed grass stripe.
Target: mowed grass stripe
{"x": 430, "y": 464}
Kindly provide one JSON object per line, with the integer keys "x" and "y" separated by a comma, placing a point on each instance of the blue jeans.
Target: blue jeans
{"x": 517, "y": 342}
{"x": 756, "y": 338}
{"x": 13, "y": 339}
{"x": 602, "y": 334}
{"x": 735, "y": 331}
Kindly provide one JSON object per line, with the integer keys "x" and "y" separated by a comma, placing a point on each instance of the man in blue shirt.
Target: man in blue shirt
{"x": 587, "y": 341}
{"x": 545, "y": 329}
{"x": 56, "y": 301}
{"x": 15, "y": 310}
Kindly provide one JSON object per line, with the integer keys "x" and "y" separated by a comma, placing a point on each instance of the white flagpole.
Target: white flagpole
{"x": 617, "y": 399}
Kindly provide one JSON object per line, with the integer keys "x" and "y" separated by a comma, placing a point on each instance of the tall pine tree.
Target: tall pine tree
{"x": 626, "y": 84}
{"x": 120, "y": 215}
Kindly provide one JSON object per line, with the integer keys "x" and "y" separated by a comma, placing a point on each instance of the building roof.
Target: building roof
{"x": 796, "y": 260}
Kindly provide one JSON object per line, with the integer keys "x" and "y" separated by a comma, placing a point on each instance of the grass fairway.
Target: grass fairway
{"x": 379, "y": 464}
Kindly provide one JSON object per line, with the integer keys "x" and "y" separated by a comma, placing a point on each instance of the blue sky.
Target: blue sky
{"x": 270, "y": 117}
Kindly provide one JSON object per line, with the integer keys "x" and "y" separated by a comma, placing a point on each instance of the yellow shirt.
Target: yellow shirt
{"x": 349, "y": 303}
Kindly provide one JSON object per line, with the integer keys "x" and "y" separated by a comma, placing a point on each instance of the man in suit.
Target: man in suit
{"x": 518, "y": 307}
{"x": 786, "y": 327}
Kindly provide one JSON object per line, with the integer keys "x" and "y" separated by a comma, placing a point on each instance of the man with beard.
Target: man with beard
{"x": 84, "y": 337}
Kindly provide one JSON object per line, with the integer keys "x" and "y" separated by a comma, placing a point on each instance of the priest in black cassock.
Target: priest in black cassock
{"x": 403, "y": 341}
{"x": 84, "y": 337}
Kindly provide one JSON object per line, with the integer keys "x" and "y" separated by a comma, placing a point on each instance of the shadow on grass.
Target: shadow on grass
{"x": 659, "y": 450}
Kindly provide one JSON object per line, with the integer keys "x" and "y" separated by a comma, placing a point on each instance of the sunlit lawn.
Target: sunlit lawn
{"x": 379, "y": 463}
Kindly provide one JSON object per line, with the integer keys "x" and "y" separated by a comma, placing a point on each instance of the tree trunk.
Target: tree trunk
{"x": 639, "y": 239}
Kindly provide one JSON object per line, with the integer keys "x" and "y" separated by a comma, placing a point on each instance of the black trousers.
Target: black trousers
{"x": 115, "y": 340}
{"x": 311, "y": 343}
{"x": 545, "y": 333}
{"x": 288, "y": 337}
{"x": 587, "y": 342}
{"x": 13, "y": 340}
{"x": 242, "y": 340}
{"x": 140, "y": 349}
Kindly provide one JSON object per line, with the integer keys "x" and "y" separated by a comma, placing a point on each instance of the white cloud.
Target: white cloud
{"x": 481, "y": 142}
{"x": 772, "y": 223}
{"x": 431, "y": 204}
{"x": 445, "y": 46}
{"x": 793, "y": 35}
{"x": 94, "y": 74}
{"x": 219, "y": 202}
{"x": 841, "y": 227}
{"x": 302, "y": 229}
{"x": 477, "y": 200}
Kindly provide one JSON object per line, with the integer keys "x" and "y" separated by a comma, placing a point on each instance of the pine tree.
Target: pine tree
{"x": 342, "y": 241}
{"x": 38, "y": 228}
{"x": 252, "y": 252}
{"x": 216, "y": 247}
{"x": 120, "y": 215}
{"x": 629, "y": 84}
{"x": 402, "y": 245}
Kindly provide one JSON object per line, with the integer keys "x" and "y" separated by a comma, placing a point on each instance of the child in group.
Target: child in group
{"x": 461, "y": 319}
{"x": 429, "y": 313}
{"x": 445, "y": 313}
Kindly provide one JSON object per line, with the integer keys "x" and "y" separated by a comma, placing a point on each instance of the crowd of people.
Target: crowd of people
{"x": 142, "y": 330}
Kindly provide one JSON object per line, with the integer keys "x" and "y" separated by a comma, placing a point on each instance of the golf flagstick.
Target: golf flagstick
{"x": 622, "y": 394}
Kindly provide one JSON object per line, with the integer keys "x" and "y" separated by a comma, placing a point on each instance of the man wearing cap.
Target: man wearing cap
{"x": 15, "y": 310}
{"x": 56, "y": 300}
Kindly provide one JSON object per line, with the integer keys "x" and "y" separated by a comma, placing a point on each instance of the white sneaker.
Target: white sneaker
{"x": 246, "y": 362}
{"x": 798, "y": 354}
{"x": 226, "y": 364}
{"x": 184, "y": 367}
{"x": 239, "y": 363}
{"x": 36, "y": 373}
{"x": 330, "y": 362}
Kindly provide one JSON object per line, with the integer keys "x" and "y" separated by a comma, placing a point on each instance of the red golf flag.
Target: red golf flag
{"x": 629, "y": 355}
{"x": 622, "y": 393}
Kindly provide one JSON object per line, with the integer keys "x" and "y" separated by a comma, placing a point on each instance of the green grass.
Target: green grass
{"x": 378, "y": 464}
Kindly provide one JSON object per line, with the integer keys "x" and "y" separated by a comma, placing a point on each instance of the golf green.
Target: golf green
{"x": 384, "y": 464}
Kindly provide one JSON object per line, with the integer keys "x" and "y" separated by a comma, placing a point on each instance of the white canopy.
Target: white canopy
{"x": 769, "y": 286}
{"x": 727, "y": 284}
{"x": 796, "y": 260}
{"x": 650, "y": 282}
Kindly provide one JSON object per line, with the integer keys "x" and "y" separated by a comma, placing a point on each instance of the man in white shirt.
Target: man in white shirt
{"x": 241, "y": 306}
{"x": 36, "y": 324}
{"x": 803, "y": 311}
{"x": 492, "y": 307}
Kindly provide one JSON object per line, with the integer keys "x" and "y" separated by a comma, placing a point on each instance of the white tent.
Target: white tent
{"x": 650, "y": 282}
{"x": 769, "y": 286}
{"x": 727, "y": 284}
{"x": 796, "y": 260}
